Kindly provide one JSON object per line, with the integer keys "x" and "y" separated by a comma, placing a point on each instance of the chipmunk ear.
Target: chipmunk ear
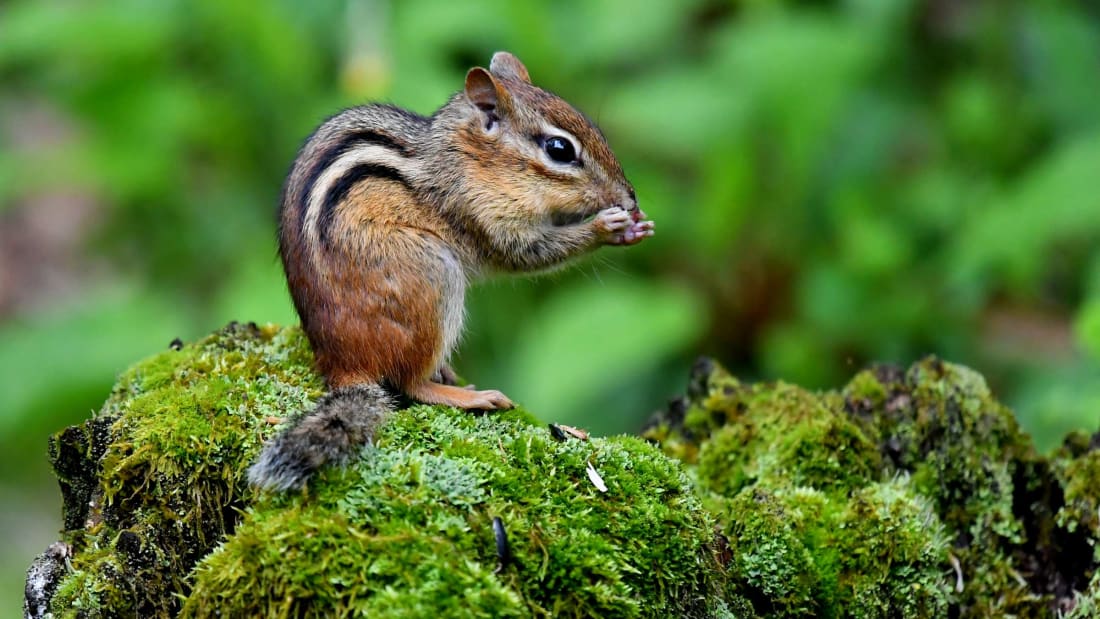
{"x": 507, "y": 65}
{"x": 487, "y": 94}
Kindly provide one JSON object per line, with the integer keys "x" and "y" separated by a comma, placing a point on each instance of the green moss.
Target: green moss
{"x": 889, "y": 548}
{"x": 1077, "y": 534}
{"x": 802, "y": 552}
{"x": 1079, "y": 470}
{"x": 910, "y": 493}
{"x": 967, "y": 455}
{"x": 773, "y": 561}
{"x": 962, "y": 447}
{"x": 782, "y": 431}
{"x": 162, "y": 464}
{"x": 1087, "y": 604}
{"x": 93, "y": 586}
{"x": 907, "y": 493}
{"x": 408, "y": 530}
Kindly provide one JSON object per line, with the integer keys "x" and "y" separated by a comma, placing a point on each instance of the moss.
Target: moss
{"x": 408, "y": 530}
{"x": 906, "y": 493}
{"x": 1077, "y": 533}
{"x": 800, "y": 552}
{"x": 889, "y": 548}
{"x": 156, "y": 483}
{"x": 73, "y": 453}
{"x": 782, "y": 431}
{"x": 960, "y": 444}
{"x": 910, "y": 492}
{"x": 708, "y": 406}
{"x": 996, "y": 495}
{"x": 1086, "y": 605}
{"x": 156, "y": 478}
{"x": 773, "y": 561}
{"x": 1078, "y": 467}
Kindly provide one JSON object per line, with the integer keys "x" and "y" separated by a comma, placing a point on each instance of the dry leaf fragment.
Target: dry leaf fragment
{"x": 575, "y": 432}
{"x": 561, "y": 431}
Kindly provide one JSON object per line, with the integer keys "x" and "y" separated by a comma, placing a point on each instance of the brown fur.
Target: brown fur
{"x": 383, "y": 305}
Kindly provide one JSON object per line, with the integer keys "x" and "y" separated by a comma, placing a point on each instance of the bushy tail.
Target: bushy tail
{"x": 332, "y": 433}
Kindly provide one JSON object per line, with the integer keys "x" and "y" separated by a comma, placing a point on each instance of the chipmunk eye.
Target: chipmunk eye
{"x": 559, "y": 149}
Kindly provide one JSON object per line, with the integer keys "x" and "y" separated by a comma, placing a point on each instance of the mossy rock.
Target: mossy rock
{"x": 907, "y": 493}
{"x": 156, "y": 478}
{"x": 160, "y": 522}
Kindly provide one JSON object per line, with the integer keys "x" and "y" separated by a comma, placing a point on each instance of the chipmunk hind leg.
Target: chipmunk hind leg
{"x": 429, "y": 392}
{"x": 429, "y": 385}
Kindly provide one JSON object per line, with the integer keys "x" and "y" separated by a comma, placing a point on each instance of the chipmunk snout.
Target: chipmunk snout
{"x": 631, "y": 204}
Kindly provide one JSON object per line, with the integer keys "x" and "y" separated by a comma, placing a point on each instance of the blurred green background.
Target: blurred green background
{"x": 834, "y": 182}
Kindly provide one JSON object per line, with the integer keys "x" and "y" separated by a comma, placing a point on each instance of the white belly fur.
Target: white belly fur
{"x": 453, "y": 300}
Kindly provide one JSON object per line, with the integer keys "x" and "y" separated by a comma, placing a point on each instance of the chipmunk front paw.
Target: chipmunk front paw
{"x": 618, "y": 226}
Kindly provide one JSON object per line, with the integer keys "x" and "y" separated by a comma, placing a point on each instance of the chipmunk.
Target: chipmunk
{"x": 387, "y": 215}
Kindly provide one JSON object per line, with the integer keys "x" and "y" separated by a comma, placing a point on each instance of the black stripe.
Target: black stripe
{"x": 349, "y": 142}
{"x": 341, "y": 187}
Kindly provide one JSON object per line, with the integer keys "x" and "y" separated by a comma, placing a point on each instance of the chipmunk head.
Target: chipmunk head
{"x": 536, "y": 153}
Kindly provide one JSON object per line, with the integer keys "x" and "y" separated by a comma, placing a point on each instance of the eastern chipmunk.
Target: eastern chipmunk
{"x": 386, "y": 216}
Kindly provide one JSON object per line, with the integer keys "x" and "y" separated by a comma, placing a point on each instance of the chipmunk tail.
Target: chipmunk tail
{"x": 331, "y": 434}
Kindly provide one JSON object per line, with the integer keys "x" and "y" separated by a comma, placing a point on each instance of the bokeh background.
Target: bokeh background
{"x": 834, "y": 183}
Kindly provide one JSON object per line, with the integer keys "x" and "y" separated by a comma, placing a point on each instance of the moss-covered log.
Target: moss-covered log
{"x": 905, "y": 494}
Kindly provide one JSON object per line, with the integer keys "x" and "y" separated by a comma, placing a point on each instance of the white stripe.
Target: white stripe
{"x": 369, "y": 153}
